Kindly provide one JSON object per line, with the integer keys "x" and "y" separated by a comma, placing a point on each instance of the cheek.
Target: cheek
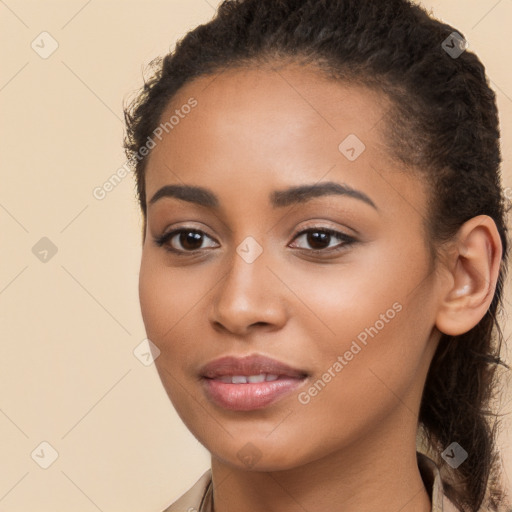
{"x": 376, "y": 326}
{"x": 172, "y": 302}
{"x": 166, "y": 297}
{"x": 152, "y": 299}
{"x": 163, "y": 305}
{"x": 359, "y": 385}
{"x": 340, "y": 303}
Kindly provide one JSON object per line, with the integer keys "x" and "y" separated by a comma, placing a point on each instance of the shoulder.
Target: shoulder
{"x": 194, "y": 499}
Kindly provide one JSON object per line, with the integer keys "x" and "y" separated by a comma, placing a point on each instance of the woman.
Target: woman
{"x": 324, "y": 254}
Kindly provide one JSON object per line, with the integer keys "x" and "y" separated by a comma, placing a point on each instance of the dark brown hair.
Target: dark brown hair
{"x": 443, "y": 123}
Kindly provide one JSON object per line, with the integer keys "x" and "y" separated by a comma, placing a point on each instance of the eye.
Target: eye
{"x": 320, "y": 238}
{"x": 190, "y": 240}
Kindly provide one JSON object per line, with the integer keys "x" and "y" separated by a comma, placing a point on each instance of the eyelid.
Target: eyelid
{"x": 323, "y": 225}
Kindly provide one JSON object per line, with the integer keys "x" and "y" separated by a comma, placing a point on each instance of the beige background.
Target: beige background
{"x": 68, "y": 374}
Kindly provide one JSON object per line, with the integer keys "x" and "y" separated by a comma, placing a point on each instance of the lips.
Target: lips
{"x": 247, "y": 366}
{"x": 248, "y": 383}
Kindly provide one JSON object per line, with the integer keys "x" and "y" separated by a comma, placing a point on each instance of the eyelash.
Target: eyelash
{"x": 346, "y": 240}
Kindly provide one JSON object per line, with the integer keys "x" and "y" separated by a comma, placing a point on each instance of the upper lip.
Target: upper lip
{"x": 249, "y": 365}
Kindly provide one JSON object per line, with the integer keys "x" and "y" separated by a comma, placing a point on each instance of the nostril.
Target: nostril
{"x": 260, "y": 323}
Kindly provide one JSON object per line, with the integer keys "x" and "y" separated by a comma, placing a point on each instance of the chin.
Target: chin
{"x": 259, "y": 455}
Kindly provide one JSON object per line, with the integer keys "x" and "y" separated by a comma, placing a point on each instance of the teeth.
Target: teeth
{"x": 256, "y": 378}
{"x": 251, "y": 379}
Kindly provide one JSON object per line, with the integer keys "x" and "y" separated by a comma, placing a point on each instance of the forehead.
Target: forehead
{"x": 292, "y": 112}
{"x": 292, "y": 96}
{"x": 287, "y": 125}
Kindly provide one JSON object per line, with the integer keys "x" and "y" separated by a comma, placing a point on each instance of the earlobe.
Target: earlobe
{"x": 473, "y": 270}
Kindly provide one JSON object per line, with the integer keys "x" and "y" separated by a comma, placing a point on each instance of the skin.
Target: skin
{"x": 255, "y": 131}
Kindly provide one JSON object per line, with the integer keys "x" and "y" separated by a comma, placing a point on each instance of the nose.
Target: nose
{"x": 248, "y": 297}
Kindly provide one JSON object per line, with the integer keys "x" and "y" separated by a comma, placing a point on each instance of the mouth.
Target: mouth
{"x": 249, "y": 383}
{"x": 248, "y": 379}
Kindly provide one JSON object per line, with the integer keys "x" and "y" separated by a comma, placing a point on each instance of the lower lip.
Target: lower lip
{"x": 250, "y": 396}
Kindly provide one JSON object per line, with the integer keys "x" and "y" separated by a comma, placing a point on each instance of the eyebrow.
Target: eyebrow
{"x": 278, "y": 199}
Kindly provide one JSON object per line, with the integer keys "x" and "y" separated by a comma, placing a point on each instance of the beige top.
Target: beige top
{"x": 199, "y": 497}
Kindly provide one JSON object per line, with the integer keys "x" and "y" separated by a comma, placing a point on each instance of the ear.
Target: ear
{"x": 471, "y": 272}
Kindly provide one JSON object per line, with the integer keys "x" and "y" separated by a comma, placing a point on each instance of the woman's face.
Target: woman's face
{"x": 329, "y": 296}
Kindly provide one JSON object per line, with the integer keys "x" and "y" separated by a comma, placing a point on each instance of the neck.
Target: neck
{"x": 380, "y": 468}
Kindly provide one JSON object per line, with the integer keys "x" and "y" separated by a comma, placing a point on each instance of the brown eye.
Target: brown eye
{"x": 190, "y": 240}
{"x": 183, "y": 240}
{"x": 319, "y": 240}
